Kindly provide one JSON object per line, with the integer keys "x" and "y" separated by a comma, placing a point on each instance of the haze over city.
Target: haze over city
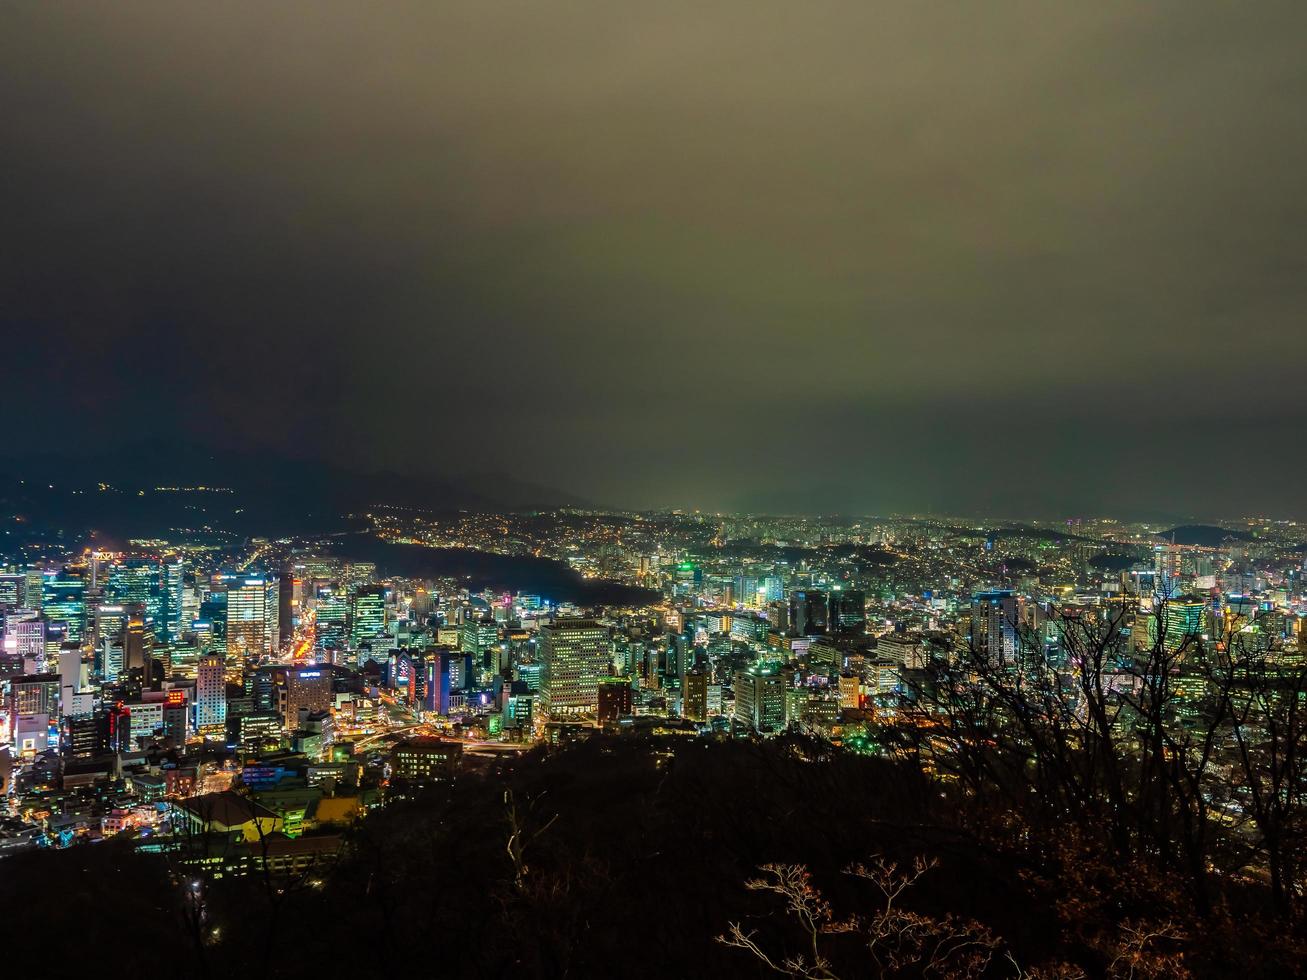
{"x": 993, "y": 258}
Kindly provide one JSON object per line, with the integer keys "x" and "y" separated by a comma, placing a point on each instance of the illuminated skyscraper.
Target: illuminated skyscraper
{"x": 994, "y": 619}
{"x": 25, "y": 640}
{"x": 477, "y": 637}
{"x": 252, "y": 616}
{"x": 108, "y": 622}
{"x": 760, "y": 698}
{"x": 172, "y": 584}
{"x": 574, "y": 654}
{"x": 332, "y": 618}
{"x": 210, "y": 695}
{"x": 694, "y": 696}
{"x": 367, "y": 616}
{"x": 63, "y": 602}
{"x": 848, "y": 611}
{"x": 808, "y": 612}
{"x": 287, "y": 606}
{"x": 306, "y": 688}
{"x": 1182, "y": 621}
{"x": 11, "y": 591}
{"x": 1167, "y": 567}
{"x": 137, "y": 581}
{"x": 138, "y": 646}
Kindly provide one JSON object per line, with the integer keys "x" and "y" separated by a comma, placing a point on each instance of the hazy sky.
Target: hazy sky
{"x": 985, "y": 256}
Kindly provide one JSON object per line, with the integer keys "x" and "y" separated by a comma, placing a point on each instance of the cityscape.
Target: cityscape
{"x": 567, "y": 490}
{"x": 241, "y": 709}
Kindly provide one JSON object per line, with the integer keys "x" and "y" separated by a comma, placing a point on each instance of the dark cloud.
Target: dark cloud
{"x": 993, "y": 256}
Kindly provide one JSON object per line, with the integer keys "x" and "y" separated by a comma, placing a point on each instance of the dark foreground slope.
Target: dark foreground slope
{"x": 633, "y": 858}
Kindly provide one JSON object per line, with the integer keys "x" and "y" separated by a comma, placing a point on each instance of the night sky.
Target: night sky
{"x": 1013, "y": 258}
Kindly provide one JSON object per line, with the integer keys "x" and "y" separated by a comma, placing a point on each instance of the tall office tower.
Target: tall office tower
{"x": 423, "y": 605}
{"x": 33, "y": 588}
{"x": 439, "y": 666}
{"x": 778, "y": 613}
{"x": 994, "y": 619}
{"x": 210, "y": 695}
{"x": 86, "y": 735}
{"x": 614, "y": 699}
{"x": 109, "y": 661}
{"x": 99, "y": 564}
{"x": 848, "y": 611}
{"x": 760, "y": 698}
{"x": 107, "y": 622}
{"x": 11, "y": 591}
{"x": 172, "y": 584}
{"x": 1182, "y": 621}
{"x": 1167, "y": 568}
{"x": 138, "y": 647}
{"x": 287, "y": 606}
{"x": 307, "y": 688}
{"x": 367, "y": 615}
{"x": 138, "y": 581}
{"x": 72, "y": 677}
{"x": 850, "y": 691}
{"x": 192, "y": 599}
{"x": 252, "y": 629}
{"x": 63, "y": 603}
{"x": 694, "y": 696}
{"x": 477, "y": 637}
{"x": 808, "y": 612}
{"x": 574, "y": 654}
{"x": 331, "y": 618}
{"x": 25, "y": 640}
{"x": 33, "y": 704}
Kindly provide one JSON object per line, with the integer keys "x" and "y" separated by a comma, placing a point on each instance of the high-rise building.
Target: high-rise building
{"x": 574, "y": 654}
{"x": 172, "y": 584}
{"x": 210, "y": 695}
{"x": 331, "y": 622}
{"x": 1167, "y": 570}
{"x": 994, "y": 619}
{"x": 252, "y": 628}
{"x": 11, "y": 591}
{"x": 848, "y": 611}
{"x": 1182, "y": 621}
{"x": 287, "y": 606}
{"x": 809, "y": 613}
{"x": 439, "y": 669}
{"x": 850, "y": 691}
{"x": 154, "y": 585}
{"x": 138, "y": 647}
{"x": 367, "y": 616}
{"x": 34, "y": 694}
{"x": 72, "y": 677}
{"x": 479, "y": 637}
{"x": 694, "y": 696}
{"x": 25, "y": 640}
{"x": 63, "y": 603}
{"x": 306, "y": 688}
{"x": 33, "y": 588}
{"x": 108, "y": 622}
{"x": 614, "y": 699}
{"x": 760, "y": 698}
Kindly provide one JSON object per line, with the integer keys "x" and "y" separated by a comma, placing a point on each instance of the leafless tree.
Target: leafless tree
{"x": 898, "y": 942}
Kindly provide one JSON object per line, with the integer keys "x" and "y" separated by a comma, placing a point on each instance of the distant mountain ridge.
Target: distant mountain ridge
{"x": 1204, "y": 535}
{"x": 268, "y": 495}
